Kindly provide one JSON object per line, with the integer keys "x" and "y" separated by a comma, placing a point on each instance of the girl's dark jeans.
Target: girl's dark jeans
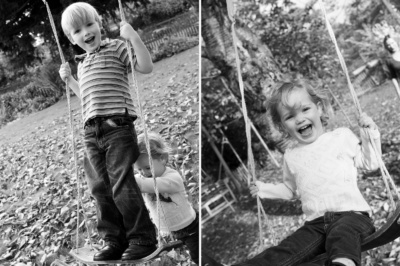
{"x": 190, "y": 237}
{"x": 339, "y": 234}
{"x": 111, "y": 150}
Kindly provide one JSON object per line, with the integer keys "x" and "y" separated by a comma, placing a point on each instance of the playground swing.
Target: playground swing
{"x": 391, "y": 229}
{"x": 85, "y": 254}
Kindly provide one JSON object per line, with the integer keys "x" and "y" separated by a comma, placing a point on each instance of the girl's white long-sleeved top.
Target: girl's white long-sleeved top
{"x": 324, "y": 173}
{"x": 176, "y": 211}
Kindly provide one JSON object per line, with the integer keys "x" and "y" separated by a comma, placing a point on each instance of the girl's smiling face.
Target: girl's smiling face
{"x": 300, "y": 116}
{"x": 142, "y": 164}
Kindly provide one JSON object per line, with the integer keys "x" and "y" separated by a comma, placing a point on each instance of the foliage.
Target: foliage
{"x": 173, "y": 45}
{"x": 47, "y": 77}
{"x": 22, "y": 21}
{"x": 8, "y": 71}
{"x": 159, "y": 10}
{"x": 14, "y": 105}
{"x": 45, "y": 88}
{"x": 307, "y": 47}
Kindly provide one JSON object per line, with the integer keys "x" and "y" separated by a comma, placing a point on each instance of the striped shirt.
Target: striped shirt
{"x": 103, "y": 81}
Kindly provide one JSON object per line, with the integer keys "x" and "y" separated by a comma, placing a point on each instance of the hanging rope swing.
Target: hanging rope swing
{"x": 391, "y": 229}
{"x": 85, "y": 254}
{"x": 250, "y": 157}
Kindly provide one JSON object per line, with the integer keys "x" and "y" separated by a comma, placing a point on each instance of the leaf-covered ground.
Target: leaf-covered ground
{"x": 234, "y": 236}
{"x": 38, "y": 186}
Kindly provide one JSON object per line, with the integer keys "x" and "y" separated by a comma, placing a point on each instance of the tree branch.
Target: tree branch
{"x": 391, "y": 10}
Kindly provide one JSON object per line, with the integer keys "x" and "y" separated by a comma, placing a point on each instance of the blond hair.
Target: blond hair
{"x": 78, "y": 14}
{"x": 280, "y": 97}
{"x": 158, "y": 146}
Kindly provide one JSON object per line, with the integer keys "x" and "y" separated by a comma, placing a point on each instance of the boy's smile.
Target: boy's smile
{"x": 87, "y": 36}
{"x": 301, "y": 117}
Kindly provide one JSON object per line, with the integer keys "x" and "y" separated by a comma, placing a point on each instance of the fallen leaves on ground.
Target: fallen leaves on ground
{"x": 38, "y": 185}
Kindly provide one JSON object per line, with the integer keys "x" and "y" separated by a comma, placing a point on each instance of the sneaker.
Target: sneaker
{"x": 136, "y": 252}
{"x": 111, "y": 251}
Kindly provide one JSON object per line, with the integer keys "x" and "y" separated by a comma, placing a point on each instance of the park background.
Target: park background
{"x": 38, "y": 194}
{"x": 279, "y": 40}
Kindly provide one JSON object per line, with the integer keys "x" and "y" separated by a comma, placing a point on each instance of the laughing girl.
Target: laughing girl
{"x": 320, "y": 169}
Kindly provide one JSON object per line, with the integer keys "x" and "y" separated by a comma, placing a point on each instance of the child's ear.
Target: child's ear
{"x": 164, "y": 158}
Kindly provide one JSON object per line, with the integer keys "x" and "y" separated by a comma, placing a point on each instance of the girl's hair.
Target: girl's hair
{"x": 387, "y": 37}
{"x": 158, "y": 146}
{"x": 78, "y": 14}
{"x": 280, "y": 97}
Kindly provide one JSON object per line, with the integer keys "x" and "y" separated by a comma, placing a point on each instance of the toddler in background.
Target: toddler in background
{"x": 176, "y": 213}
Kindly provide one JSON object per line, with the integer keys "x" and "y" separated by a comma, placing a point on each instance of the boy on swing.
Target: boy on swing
{"x": 110, "y": 137}
{"x": 321, "y": 169}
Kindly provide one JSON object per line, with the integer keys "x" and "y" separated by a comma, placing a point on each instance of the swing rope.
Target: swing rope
{"x": 252, "y": 126}
{"x": 134, "y": 91}
{"x": 231, "y": 15}
{"x": 226, "y": 140}
{"x": 385, "y": 174}
{"x": 71, "y": 125}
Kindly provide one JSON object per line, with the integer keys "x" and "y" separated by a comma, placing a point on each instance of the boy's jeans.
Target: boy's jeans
{"x": 337, "y": 233}
{"x": 111, "y": 151}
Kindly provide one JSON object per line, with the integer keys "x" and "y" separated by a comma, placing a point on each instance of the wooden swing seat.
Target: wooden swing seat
{"x": 85, "y": 254}
{"x": 385, "y": 234}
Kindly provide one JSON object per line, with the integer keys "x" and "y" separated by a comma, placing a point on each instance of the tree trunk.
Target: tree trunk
{"x": 259, "y": 69}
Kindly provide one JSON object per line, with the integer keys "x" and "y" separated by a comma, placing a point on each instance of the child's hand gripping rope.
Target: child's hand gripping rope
{"x": 365, "y": 121}
{"x": 65, "y": 71}
{"x": 254, "y": 190}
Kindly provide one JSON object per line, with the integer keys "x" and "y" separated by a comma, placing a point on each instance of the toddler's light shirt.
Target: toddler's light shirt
{"x": 324, "y": 173}
{"x": 177, "y": 212}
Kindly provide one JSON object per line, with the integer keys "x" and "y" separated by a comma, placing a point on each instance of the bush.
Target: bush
{"x": 42, "y": 92}
{"x": 173, "y": 45}
{"x": 159, "y": 10}
{"x": 48, "y": 80}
